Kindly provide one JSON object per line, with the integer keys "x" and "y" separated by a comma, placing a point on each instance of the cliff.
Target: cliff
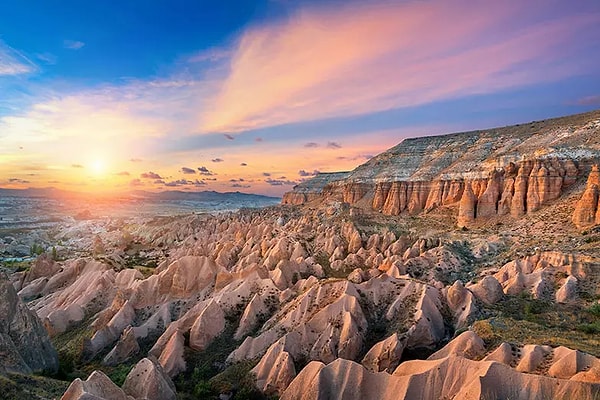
{"x": 587, "y": 211}
{"x": 312, "y": 188}
{"x": 502, "y": 171}
{"x": 24, "y": 344}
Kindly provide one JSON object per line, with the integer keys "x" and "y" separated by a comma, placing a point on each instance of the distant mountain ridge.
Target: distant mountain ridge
{"x": 207, "y": 195}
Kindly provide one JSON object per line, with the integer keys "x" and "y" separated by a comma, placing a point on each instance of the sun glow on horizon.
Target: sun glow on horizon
{"x": 98, "y": 167}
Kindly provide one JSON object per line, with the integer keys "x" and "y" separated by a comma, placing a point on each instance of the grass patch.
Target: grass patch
{"x": 69, "y": 346}
{"x": 19, "y": 387}
{"x": 594, "y": 310}
{"x": 146, "y": 271}
{"x": 207, "y": 375}
{"x": 496, "y": 330}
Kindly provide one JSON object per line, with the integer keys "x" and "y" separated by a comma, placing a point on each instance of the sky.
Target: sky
{"x": 256, "y": 96}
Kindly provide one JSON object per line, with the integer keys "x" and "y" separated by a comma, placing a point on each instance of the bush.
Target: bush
{"x": 119, "y": 374}
{"x": 590, "y": 329}
{"x": 594, "y": 309}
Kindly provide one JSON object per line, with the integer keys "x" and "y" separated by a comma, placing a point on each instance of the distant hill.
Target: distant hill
{"x": 208, "y": 195}
{"x": 172, "y": 195}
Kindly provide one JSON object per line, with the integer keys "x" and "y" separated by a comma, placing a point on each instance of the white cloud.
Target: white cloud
{"x": 13, "y": 62}
{"x": 73, "y": 44}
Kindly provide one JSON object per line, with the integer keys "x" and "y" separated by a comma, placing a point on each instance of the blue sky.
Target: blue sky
{"x": 176, "y": 85}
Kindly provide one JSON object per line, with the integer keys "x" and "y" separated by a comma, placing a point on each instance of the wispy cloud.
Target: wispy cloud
{"x": 280, "y": 182}
{"x": 358, "y": 59}
{"x": 12, "y": 62}
{"x": 73, "y": 44}
{"x": 589, "y": 101}
{"x": 217, "y": 160}
{"x": 47, "y": 58}
{"x": 186, "y": 170}
{"x": 308, "y": 173}
{"x": 18, "y": 180}
{"x": 150, "y": 175}
{"x": 210, "y": 55}
{"x": 205, "y": 171}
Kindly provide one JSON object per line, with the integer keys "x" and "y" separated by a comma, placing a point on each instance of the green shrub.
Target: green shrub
{"x": 119, "y": 374}
{"x": 590, "y": 329}
{"x": 594, "y": 309}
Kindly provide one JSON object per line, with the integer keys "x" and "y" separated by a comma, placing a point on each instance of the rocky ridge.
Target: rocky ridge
{"x": 503, "y": 171}
{"x": 24, "y": 343}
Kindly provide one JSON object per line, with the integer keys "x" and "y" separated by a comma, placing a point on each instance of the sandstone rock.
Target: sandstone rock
{"x": 384, "y": 355}
{"x": 147, "y": 380}
{"x": 253, "y": 312}
{"x": 467, "y": 345}
{"x": 24, "y": 343}
{"x": 209, "y": 324}
{"x": 452, "y": 377}
{"x": 487, "y": 204}
{"x": 568, "y": 291}
{"x": 567, "y": 363}
{"x": 276, "y": 370}
{"x": 96, "y": 387}
{"x": 531, "y": 358}
{"x": 461, "y": 302}
{"x": 502, "y": 354}
{"x": 126, "y": 347}
{"x": 467, "y": 208}
{"x": 587, "y": 210}
{"x": 488, "y": 290}
{"x": 171, "y": 358}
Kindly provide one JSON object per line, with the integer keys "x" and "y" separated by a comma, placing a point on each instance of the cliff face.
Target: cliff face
{"x": 312, "y": 189}
{"x": 503, "y": 171}
{"x": 587, "y": 211}
{"x": 24, "y": 343}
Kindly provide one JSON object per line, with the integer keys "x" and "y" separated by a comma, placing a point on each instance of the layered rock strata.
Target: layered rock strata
{"x": 587, "y": 210}
{"x": 504, "y": 171}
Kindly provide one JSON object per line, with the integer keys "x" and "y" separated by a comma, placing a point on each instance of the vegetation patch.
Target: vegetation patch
{"x": 19, "y": 387}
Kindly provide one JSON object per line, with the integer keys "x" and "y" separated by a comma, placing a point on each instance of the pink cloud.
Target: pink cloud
{"x": 326, "y": 63}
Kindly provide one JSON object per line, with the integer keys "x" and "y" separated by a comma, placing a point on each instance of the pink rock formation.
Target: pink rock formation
{"x": 452, "y": 373}
{"x": 488, "y": 290}
{"x": 587, "y": 212}
{"x": 148, "y": 381}
{"x": 467, "y": 208}
{"x": 97, "y": 386}
{"x": 384, "y": 355}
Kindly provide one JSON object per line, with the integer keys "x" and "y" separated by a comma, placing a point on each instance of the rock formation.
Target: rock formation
{"x": 97, "y": 386}
{"x": 450, "y": 373}
{"x": 587, "y": 212}
{"x": 497, "y": 172}
{"x": 24, "y": 343}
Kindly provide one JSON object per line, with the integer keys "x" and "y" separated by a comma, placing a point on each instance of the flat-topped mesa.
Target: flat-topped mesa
{"x": 510, "y": 171}
{"x": 312, "y": 189}
{"x": 587, "y": 210}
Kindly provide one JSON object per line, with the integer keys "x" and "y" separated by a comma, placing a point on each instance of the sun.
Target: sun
{"x": 98, "y": 167}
